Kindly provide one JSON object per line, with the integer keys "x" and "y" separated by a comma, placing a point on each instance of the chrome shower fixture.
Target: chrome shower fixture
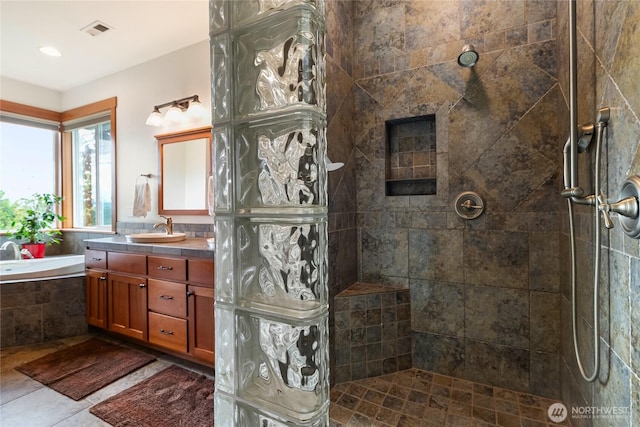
{"x": 585, "y": 132}
{"x": 469, "y": 56}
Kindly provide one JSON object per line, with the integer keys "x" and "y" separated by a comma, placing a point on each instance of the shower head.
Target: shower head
{"x": 468, "y": 57}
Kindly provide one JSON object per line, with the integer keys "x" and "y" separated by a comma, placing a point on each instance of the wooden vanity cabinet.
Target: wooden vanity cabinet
{"x": 96, "y": 298}
{"x": 96, "y": 288}
{"x": 127, "y": 294}
{"x": 166, "y": 301}
{"x": 127, "y": 302}
{"x": 201, "y": 322}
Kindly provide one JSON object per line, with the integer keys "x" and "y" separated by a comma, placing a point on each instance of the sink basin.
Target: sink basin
{"x": 155, "y": 237}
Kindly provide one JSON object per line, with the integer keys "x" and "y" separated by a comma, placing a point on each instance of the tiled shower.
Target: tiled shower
{"x": 489, "y": 297}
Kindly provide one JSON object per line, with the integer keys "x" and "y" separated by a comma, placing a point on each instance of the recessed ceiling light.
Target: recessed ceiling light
{"x": 50, "y": 50}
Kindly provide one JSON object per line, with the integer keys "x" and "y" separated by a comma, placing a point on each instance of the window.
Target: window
{"x": 29, "y": 149}
{"x": 91, "y": 182}
{"x": 81, "y": 168}
{"x": 88, "y": 178}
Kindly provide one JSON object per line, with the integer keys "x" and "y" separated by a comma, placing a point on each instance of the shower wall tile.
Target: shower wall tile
{"x": 436, "y": 254}
{"x": 544, "y": 262}
{"x": 634, "y": 303}
{"x": 544, "y": 374}
{"x": 497, "y": 365}
{"x": 384, "y": 251}
{"x": 496, "y": 258}
{"x": 430, "y": 23}
{"x": 615, "y": 391}
{"x": 619, "y": 313}
{"x": 623, "y": 132}
{"x": 497, "y": 315}
{"x": 437, "y": 307}
{"x": 539, "y": 10}
{"x": 626, "y": 67}
{"x": 509, "y": 157}
{"x": 609, "y": 18}
{"x": 438, "y": 353}
{"x": 545, "y": 322}
{"x": 480, "y": 17}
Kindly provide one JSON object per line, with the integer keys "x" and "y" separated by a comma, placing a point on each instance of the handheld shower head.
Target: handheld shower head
{"x": 469, "y": 56}
{"x": 585, "y": 132}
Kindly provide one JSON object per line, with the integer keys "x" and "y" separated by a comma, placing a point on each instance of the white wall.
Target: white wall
{"x": 28, "y": 94}
{"x": 177, "y": 75}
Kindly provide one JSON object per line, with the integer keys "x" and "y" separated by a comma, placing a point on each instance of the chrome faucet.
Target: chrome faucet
{"x": 26, "y": 253}
{"x": 168, "y": 226}
{"x": 14, "y": 246}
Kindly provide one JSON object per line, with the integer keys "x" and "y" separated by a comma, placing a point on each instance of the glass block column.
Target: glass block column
{"x": 269, "y": 146}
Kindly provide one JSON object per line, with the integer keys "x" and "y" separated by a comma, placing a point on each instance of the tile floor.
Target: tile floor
{"x": 408, "y": 398}
{"x": 423, "y": 399}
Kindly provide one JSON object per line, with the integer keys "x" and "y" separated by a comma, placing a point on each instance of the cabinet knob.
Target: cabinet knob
{"x": 165, "y": 296}
{"x": 142, "y": 285}
{"x": 189, "y": 293}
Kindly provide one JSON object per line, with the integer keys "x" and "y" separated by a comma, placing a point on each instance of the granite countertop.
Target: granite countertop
{"x": 193, "y": 247}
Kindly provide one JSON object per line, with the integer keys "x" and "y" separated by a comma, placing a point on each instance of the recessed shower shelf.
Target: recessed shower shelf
{"x": 411, "y": 187}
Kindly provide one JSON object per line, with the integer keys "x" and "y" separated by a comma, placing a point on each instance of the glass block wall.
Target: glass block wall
{"x": 269, "y": 145}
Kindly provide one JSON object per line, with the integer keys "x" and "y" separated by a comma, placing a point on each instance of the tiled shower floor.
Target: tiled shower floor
{"x": 407, "y": 398}
{"x": 419, "y": 399}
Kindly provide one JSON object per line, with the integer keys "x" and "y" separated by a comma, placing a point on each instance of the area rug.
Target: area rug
{"x": 84, "y": 368}
{"x": 173, "y": 397}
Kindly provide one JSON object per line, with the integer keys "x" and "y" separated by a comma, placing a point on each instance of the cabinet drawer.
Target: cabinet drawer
{"x": 127, "y": 263}
{"x": 168, "y": 297}
{"x": 168, "y": 332}
{"x": 95, "y": 259}
{"x": 167, "y": 268}
{"x": 201, "y": 271}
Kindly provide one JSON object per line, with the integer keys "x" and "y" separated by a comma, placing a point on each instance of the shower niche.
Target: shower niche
{"x": 411, "y": 156}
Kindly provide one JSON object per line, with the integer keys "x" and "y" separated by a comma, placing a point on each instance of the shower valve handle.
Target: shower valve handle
{"x": 605, "y": 208}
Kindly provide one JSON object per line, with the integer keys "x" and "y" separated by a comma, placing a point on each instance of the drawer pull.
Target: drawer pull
{"x": 142, "y": 285}
{"x": 162, "y": 267}
{"x": 96, "y": 259}
{"x": 165, "y": 296}
{"x": 162, "y": 331}
{"x": 102, "y": 278}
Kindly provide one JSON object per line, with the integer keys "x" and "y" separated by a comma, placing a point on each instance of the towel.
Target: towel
{"x": 142, "y": 199}
{"x": 210, "y": 195}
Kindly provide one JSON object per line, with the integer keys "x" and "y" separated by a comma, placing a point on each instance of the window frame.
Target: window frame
{"x": 105, "y": 106}
{"x": 64, "y": 174}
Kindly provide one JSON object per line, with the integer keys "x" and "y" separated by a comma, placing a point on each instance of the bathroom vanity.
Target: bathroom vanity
{"x": 161, "y": 295}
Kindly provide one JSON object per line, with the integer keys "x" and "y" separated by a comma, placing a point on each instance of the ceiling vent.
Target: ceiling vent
{"x": 96, "y": 28}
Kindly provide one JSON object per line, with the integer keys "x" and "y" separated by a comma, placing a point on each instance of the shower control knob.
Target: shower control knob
{"x": 468, "y": 205}
{"x": 605, "y": 208}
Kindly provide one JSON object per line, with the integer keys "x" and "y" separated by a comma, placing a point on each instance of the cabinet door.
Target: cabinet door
{"x": 127, "y": 301}
{"x": 201, "y": 323}
{"x": 96, "y": 298}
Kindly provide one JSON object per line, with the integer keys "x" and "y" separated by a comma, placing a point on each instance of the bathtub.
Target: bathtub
{"x": 53, "y": 267}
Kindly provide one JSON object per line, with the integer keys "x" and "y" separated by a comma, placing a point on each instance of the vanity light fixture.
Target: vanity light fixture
{"x": 181, "y": 110}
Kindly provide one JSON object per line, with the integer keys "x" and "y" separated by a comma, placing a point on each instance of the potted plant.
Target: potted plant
{"x": 36, "y": 218}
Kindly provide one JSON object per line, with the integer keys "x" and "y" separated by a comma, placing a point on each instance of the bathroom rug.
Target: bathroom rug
{"x": 81, "y": 369}
{"x": 173, "y": 397}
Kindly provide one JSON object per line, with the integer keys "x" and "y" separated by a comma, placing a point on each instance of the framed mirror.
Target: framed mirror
{"x": 185, "y": 168}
